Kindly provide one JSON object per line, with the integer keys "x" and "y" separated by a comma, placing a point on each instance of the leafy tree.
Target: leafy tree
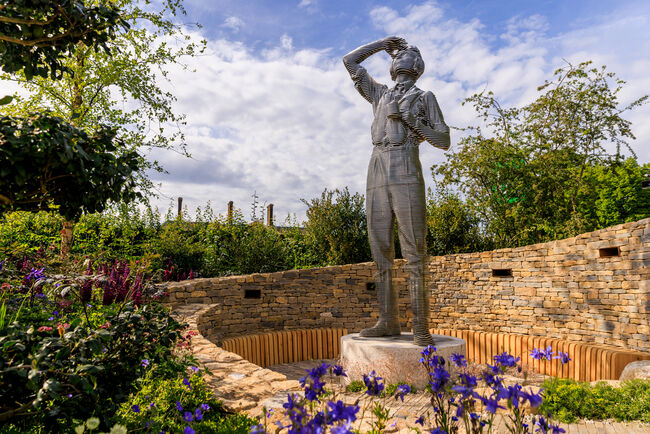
{"x": 336, "y": 227}
{"x": 453, "y": 226}
{"x": 36, "y": 36}
{"x": 523, "y": 175}
{"x": 617, "y": 197}
{"x": 120, "y": 87}
{"x": 44, "y": 161}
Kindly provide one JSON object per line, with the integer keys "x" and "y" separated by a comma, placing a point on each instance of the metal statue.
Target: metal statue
{"x": 404, "y": 117}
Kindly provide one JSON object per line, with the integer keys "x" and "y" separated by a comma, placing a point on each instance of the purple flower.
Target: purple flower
{"x": 340, "y": 411}
{"x": 491, "y": 404}
{"x": 439, "y": 378}
{"x": 187, "y": 416}
{"x": 339, "y": 371}
{"x": 438, "y": 431}
{"x": 36, "y": 274}
{"x": 343, "y": 429}
{"x": 135, "y": 408}
{"x": 188, "y": 430}
{"x": 556, "y": 429}
{"x": 145, "y": 363}
{"x": 420, "y": 420}
{"x": 374, "y": 384}
{"x": 187, "y": 383}
{"x": 537, "y": 354}
{"x": 205, "y": 407}
{"x": 179, "y": 407}
{"x": 506, "y": 360}
{"x": 564, "y": 357}
{"x": 458, "y": 360}
{"x": 535, "y": 399}
{"x": 402, "y": 389}
{"x": 198, "y": 415}
{"x": 257, "y": 429}
{"x": 194, "y": 368}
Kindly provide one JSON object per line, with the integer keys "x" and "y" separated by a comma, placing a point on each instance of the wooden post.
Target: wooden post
{"x": 180, "y": 207}
{"x": 66, "y": 238}
{"x": 269, "y": 215}
{"x": 230, "y": 211}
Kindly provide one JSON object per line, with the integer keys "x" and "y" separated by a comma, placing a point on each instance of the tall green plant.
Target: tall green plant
{"x": 336, "y": 227}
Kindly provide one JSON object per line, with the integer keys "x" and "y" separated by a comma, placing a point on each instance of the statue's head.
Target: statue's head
{"x": 407, "y": 60}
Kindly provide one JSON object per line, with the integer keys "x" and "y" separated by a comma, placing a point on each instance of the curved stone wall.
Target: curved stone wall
{"x": 593, "y": 288}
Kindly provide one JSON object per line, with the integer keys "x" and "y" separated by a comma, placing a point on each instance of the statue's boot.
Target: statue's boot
{"x": 388, "y": 323}
{"x": 419, "y": 306}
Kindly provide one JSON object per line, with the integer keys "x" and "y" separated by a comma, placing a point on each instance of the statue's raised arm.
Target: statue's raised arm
{"x": 363, "y": 82}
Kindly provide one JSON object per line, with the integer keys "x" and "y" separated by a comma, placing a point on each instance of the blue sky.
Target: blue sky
{"x": 271, "y": 109}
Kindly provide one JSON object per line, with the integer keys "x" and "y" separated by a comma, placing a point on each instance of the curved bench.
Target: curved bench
{"x": 287, "y": 346}
{"x": 589, "y": 362}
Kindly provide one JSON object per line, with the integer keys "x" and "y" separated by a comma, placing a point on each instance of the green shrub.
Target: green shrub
{"x": 336, "y": 228}
{"x": 569, "y": 400}
{"x": 28, "y": 232}
{"x": 54, "y": 376}
{"x": 355, "y": 386}
{"x": 170, "y": 405}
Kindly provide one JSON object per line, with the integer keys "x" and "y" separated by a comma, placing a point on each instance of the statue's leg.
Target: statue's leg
{"x": 380, "y": 234}
{"x": 410, "y": 210}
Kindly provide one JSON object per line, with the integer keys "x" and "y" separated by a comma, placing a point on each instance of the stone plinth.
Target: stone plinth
{"x": 395, "y": 359}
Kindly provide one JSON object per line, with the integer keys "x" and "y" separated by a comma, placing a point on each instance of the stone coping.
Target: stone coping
{"x": 238, "y": 383}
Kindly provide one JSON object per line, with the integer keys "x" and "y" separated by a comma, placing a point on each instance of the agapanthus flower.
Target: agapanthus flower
{"x": 564, "y": 357}
{"x": 439, "y": 378}
{"x": 402, "y": 389}
{"x": 491, "y": 404}
{"x": 374, "y": 384}
{"x": 506, "y": 360}
{"x": 458, "y": 360}
{"x": 342, "y": 429}
{"x": 339, "y": 411}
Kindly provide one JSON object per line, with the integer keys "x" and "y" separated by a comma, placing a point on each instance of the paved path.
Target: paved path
{"x": 414, "y": 405}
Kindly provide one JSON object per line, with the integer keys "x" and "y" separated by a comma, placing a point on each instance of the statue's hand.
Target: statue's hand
{"x": 393, "y": 44}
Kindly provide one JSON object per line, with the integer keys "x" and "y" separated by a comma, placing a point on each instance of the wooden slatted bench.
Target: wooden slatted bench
{"x": 589, "y": 362}
{"x": 287, "y": 346}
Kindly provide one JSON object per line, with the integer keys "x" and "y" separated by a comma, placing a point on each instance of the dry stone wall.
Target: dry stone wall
{"x": 593, "y": 288}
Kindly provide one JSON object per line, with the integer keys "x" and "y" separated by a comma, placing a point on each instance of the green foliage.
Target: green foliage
{"x": 569, "y": 400}
{"x": 239, "y": 248}
{"x": 525, "y": 179}
{"x": 336, "y": 228}
{"x": 45, "y": 161}
{"x": 26, "y": 232}
{"x": 154, "y": 408}
{"x": 356, "y": 386}
{"x": 121, "y": 89}
{"x": 121, "y": 231}
{"x": 617, "y": 196}
{"x": 36, "y": 36}
{"x": 78, "y": 372}
{"x": 453, "y": 226}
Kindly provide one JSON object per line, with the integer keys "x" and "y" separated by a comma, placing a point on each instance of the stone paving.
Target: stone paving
{"x": 244, "y": 386}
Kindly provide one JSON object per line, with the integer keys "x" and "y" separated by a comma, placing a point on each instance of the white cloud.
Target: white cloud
{"x": 233, "y": 23}
{"x": 306, "y": 3}
{"x": 288, "y": 122}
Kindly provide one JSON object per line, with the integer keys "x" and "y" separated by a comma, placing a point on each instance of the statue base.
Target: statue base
{"x": 394, "y": 358}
